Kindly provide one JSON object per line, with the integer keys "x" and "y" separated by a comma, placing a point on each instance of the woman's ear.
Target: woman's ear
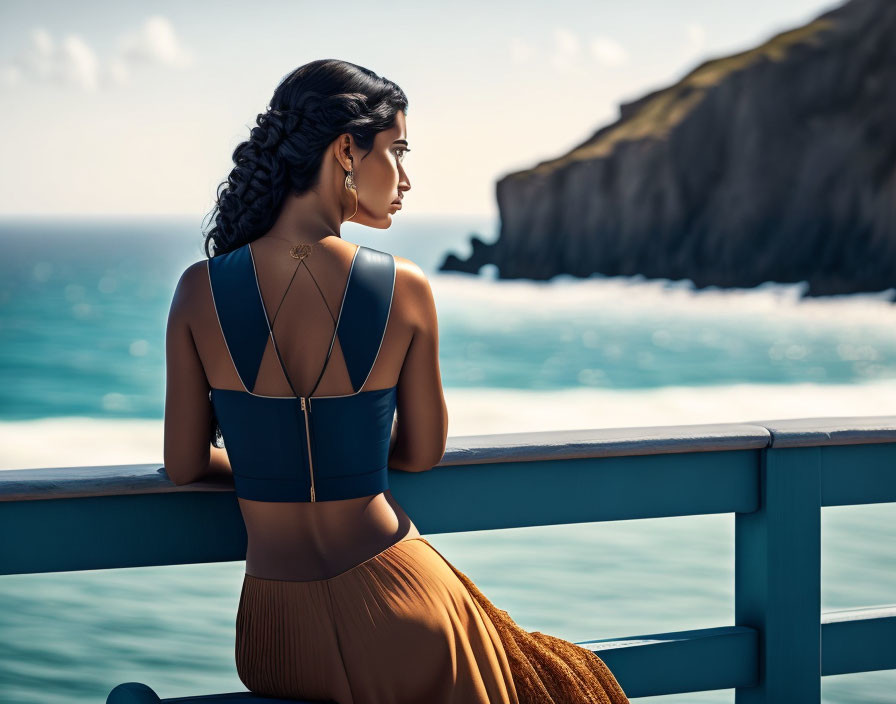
{"x": 344, "y": 147}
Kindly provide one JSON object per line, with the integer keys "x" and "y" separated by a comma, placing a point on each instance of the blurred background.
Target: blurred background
{"x": 642, "y": 213}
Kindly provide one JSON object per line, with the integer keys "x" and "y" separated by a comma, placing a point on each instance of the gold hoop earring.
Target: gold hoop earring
{"x": 350, "y": 185}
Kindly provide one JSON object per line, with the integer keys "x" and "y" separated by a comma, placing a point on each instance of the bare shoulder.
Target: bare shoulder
{"x": 413, "y": 292}
{"x": 192, "y": 287}
{"x": 408, "y": 274}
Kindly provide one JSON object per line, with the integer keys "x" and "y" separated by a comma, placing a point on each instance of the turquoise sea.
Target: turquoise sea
{"x": 83, "y": 304}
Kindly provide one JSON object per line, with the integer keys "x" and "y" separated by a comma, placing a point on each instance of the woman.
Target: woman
{"x": 301, "y": 374}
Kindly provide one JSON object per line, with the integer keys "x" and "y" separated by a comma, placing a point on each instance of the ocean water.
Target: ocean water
{"x": 83, "y": 305}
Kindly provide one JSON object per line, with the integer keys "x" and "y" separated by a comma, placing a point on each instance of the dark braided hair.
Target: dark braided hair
{"x": 310, "y": 108}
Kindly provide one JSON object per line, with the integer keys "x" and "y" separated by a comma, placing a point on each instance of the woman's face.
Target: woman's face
{"x": 380, "y": 176}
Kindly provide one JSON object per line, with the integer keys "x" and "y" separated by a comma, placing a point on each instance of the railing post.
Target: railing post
{"x": 777, "y": 572}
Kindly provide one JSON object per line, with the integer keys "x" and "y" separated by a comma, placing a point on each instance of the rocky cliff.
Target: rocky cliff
{"x": 774, "y": 164}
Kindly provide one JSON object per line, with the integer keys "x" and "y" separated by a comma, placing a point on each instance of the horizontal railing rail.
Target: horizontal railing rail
{"x": 774, "y": 475}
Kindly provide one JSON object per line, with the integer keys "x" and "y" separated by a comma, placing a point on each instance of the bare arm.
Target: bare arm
{"x": 420, "y": 431}
{"x": 188, "y": 452}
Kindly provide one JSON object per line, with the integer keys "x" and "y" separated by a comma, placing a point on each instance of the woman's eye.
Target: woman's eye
{"x": 401, "y": 155}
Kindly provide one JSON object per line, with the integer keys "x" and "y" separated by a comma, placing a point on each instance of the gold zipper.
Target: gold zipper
{"x": 305, "y": 410}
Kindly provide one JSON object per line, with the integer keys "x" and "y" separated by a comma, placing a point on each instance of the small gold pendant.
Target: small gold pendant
{"x": 300, "y": 251}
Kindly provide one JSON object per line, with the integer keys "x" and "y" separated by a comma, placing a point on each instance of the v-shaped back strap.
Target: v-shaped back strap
{"x": 240, "y": 311}
{"x": 360, "y": 327}
{"x": 365, "y": 312}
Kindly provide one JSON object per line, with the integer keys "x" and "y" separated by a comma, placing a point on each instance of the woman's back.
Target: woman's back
{"x": 316, "y": 540}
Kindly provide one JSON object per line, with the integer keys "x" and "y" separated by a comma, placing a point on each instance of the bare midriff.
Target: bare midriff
{"x": 310, "y": 541}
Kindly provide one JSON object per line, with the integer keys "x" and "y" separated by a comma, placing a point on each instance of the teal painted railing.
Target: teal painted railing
{"x": 776, "y": 476}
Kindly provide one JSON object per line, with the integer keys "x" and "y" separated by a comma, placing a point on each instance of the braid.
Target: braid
{"x": 258, "y": 182}
{"x": 274, "y": 126}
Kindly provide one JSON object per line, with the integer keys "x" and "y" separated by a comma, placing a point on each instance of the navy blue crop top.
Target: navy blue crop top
{"x": 286, "y": 448}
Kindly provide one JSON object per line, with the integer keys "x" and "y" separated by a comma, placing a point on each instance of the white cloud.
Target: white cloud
{"x": 79, "y": 65}
{"x": 118, "y": 72}
{"x": 568, "y": 54}
{"x": 10, "y": 76}
{"x": 71, "y": 62}
{"x": 566, "y": 50}
{"x": 40, "y": 58}
{"x": 608, "y": 51}
{"x": 74, "y": 62}
{"x": 154, "y": 43}
{"x": 696, "y": 38}
{"x": 520, "y": 51}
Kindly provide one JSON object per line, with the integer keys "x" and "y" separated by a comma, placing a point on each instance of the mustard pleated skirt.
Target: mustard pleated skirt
{"x": 404, "y": 627}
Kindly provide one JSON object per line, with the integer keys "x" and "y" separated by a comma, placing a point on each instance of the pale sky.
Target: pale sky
{"x": 135, "y": 107}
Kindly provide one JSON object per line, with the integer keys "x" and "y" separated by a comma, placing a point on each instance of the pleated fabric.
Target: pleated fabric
{"x": 404, "y": 627}
{"x": 547, "y": 669}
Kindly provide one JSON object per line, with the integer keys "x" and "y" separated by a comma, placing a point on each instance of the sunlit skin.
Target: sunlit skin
{"x": 305, "y": 540}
